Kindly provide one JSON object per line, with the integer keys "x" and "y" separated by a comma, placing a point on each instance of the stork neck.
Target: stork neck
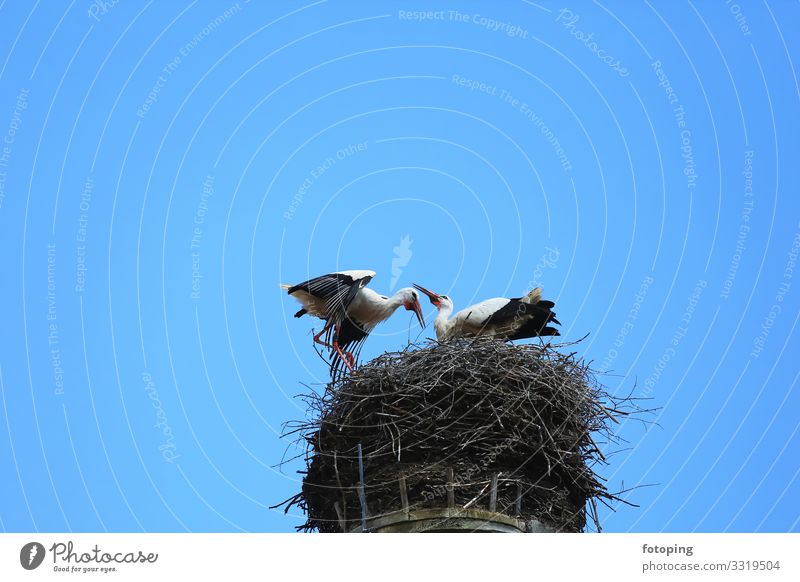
{"x": 441, "y": 323}
{"x": 395, "y": 300}
{"x": 388, "y": 306}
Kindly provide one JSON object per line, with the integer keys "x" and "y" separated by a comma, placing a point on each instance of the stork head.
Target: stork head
{"x": 411, "y": 303}
{"x": 439, "y": 301}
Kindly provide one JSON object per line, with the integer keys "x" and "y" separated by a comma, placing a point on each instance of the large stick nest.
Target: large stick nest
{"x": 528, "y": 415}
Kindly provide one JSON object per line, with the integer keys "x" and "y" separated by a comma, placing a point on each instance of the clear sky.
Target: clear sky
{"x": 165, "y": 165}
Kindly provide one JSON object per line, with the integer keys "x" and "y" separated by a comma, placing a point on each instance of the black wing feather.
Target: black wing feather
{"x": 350, "y": 338}
{"x": 323, "y": 286}
{"x": 514, "y": 308}
{"x": 337, "y": 289}
{"x": 535, "y": 318}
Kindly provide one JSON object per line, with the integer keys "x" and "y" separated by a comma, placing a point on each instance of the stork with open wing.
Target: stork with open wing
{"x": 350, "y": 310}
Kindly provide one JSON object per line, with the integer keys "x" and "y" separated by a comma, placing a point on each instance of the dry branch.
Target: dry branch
{"x": 525, "y": 413}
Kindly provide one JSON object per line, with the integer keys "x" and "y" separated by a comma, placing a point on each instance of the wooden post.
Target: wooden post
{"x": 362, "y": 495}
{"x": 343, "y": 507}
{"x": 493, "y": 494}
{"x": 340, "y": 516}
{"x": 403, "y": 493}
{"x": 451, "y": 499}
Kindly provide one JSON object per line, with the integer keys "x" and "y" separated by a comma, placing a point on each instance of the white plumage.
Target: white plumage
{"x": 349, "y": 308}
{"x": 499, "y": 317}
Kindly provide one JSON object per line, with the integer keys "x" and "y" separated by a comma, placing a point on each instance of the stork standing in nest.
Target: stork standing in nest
{"x": 350, "y": 310}
{"x": 499, "y": 317}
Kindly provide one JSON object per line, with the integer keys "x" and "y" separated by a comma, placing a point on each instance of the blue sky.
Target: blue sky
{"x": 165, "y": 165}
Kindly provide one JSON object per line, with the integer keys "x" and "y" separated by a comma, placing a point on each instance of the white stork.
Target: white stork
{"x": 500, "y": 317}
{"x": 349, "y": 309}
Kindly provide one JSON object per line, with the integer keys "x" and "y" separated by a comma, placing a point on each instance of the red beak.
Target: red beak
{"x": 435, "y": 299}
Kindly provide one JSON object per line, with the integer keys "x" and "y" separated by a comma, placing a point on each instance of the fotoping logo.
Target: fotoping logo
{"x": 31, "y": 555}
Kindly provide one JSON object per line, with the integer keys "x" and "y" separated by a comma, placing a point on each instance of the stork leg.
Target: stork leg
{"x": 346, "y": 357}
{"x": 324, "y": 330}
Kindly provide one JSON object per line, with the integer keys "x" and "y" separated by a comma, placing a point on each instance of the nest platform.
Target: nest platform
{"x": 476, "y": 435}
